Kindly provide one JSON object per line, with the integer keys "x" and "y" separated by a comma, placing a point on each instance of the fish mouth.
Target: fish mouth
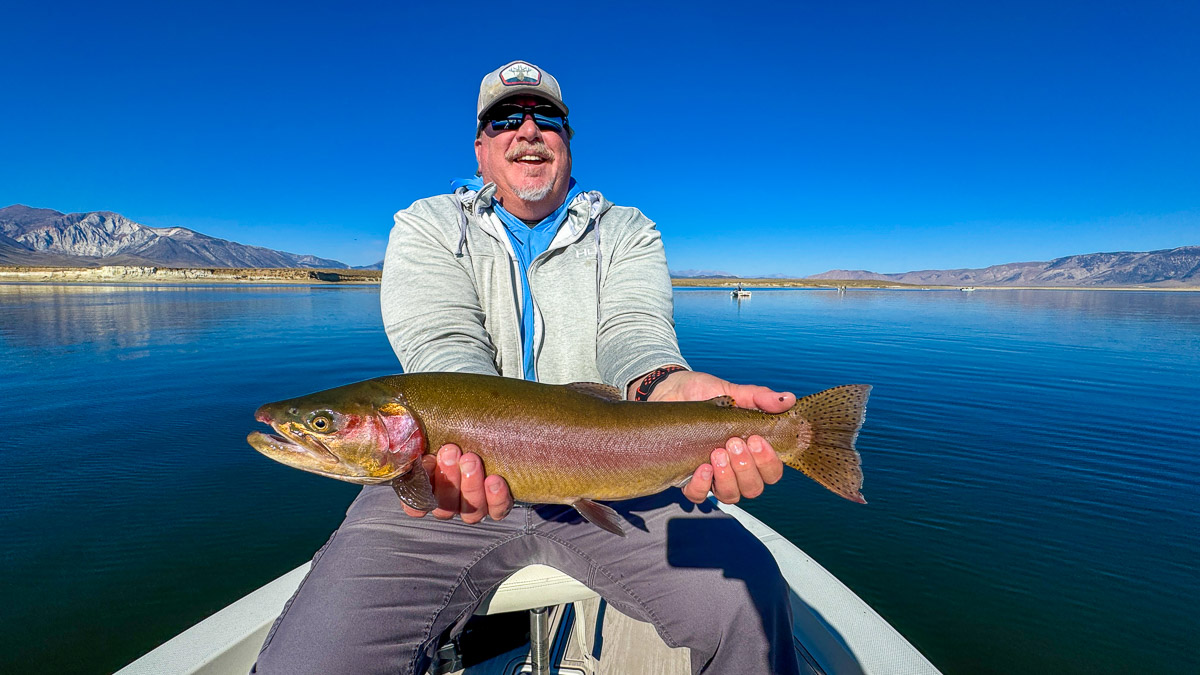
{"x": 308, "y": 453}
{"x": 300, "y": 451}
{"x": 289, "y": 448}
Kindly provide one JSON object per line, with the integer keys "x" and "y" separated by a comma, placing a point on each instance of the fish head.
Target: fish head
{"x": 360, "y": 433}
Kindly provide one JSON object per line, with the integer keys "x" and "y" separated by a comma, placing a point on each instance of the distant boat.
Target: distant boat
{"x": 740, "y": 292}
{"x": 967, "y": 289}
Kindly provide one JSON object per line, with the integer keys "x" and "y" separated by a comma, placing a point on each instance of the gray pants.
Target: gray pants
{"x": 386, "y": 586}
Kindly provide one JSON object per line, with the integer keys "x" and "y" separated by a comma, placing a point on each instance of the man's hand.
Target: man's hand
{"x": 461, "y": 487}
{"x": 742, "y": 467}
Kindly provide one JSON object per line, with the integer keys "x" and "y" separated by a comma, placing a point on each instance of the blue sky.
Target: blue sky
{"x": 791, "y": 138}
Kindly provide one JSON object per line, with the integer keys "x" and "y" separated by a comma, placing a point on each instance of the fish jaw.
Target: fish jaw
{"x": 304, "y": 456}
{"x": 367, "y": 449}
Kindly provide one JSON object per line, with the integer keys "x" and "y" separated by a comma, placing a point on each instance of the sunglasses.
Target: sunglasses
{"x": 510, "y": 117}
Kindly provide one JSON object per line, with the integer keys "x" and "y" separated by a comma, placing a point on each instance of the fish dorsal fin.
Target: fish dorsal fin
{"x": 413, "y": 488}
{"x": 604, "y": 391}
{"x": 723, "y": 402}
{"x": 600, "y": 515}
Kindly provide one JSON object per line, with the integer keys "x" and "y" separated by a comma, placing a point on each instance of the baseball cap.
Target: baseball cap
{"x": 518, "y": 77}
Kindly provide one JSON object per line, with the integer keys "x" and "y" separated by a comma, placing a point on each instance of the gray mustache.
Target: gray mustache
{"x": 538, "y": 150}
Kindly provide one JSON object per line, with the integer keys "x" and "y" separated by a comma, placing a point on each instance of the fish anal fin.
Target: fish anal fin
{"x": 600, "y": 515}
{"x": 723, "y": 402}
{"x": 604, "y": 391}
{"x": 413, "y": 488}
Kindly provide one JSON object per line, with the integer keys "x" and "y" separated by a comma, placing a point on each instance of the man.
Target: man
{"x": 522, "y": 273}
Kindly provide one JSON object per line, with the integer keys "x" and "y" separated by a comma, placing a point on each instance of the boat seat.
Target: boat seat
{"x": 534, "y": 587}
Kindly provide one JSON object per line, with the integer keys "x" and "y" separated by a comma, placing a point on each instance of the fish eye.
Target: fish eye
{"x": 320, "y": 422}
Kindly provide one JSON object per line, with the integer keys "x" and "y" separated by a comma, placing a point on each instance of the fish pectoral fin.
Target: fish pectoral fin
{"x": 392, "y": 408}
{"x": 413, "y": 488}
{"x": 600, "y": 515}
{"x": 604, "y": 391}
{"x": 723, "y": 402}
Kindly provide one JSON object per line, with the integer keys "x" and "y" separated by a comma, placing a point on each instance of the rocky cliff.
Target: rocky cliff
{"x": 30, "y": 236}
{"x": 1166, "y": 268}
{"x": 134, "y": 273}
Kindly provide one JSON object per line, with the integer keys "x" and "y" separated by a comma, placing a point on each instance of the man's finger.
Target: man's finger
{"x": 763, "y": 398}
{"x": 429, "y": 463}
{"x": 772, "y": 401}
{"x": 745, "y": 471}
{"x": 446, "y": 482}
{"x": 724, "y": 482}
{"x": 770, "y": 467}
{"x": 499, "y": 499}
{"x": 473, "y": 503}
{"x": 698, "y": 487}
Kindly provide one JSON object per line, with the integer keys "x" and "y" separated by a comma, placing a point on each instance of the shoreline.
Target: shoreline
{"x": 130, "y": 274}
{"x": 851, "y": 284}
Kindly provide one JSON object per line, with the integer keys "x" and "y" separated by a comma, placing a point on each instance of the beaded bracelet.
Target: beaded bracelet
{"x": 651, "y": 381}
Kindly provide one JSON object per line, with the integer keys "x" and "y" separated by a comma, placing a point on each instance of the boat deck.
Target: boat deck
{"x": 592, "y": 638}
{"x": 835, "y": 631}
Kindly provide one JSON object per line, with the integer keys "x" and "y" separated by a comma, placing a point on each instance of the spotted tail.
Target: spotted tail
{"x": 835, "y": 416}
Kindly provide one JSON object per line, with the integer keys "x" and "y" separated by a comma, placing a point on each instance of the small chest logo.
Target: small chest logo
{"x": 520, "y": 73}
{"x": 585, "y": 252}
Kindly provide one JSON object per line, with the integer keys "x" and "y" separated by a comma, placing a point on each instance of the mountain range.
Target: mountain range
{"x": 1175, "y": 267}
{"x": 44, "y": 237}
{"x": 701, "y": 274}
{"x": 718, "y": 274}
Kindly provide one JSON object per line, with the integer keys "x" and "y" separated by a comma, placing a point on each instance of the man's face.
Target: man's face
{"x": 531, "y": 167}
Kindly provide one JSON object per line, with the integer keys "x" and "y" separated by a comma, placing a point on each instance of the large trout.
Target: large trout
{"x": 554, "y": 444}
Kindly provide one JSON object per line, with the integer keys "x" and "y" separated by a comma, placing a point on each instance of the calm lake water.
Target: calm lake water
{"x": 1031, "y": 461}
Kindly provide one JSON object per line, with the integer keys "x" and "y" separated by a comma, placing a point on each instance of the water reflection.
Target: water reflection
{"x": 1147, "y": 305}
{"x": 1156, "y": 306}
{"x": 127, "y": 318}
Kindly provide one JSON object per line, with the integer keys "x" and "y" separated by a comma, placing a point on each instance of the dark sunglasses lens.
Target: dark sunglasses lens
{"x": 507, "y": 124}
{"x": 507, "y": 118}
{"x": 548, "y": 123}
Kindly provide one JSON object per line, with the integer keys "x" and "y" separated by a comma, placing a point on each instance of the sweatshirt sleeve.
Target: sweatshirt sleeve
{"x": 637, "y": 330}
{"x": 431, "y": 311}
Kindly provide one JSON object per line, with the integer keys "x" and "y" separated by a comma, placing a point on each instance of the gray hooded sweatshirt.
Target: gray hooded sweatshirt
{"x": 451, "y": 293}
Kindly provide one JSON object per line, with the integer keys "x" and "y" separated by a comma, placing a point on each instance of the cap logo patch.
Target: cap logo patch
{"x": 520, "y": 73}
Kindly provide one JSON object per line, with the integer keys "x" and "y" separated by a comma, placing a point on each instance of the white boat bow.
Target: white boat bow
{"x": 836, "y": 632}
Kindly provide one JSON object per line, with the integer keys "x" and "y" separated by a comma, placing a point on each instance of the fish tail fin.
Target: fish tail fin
{"x": 825, "y": 448}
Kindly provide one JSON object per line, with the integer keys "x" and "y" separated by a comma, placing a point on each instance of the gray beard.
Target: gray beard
{"x": 534, "y": 194}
